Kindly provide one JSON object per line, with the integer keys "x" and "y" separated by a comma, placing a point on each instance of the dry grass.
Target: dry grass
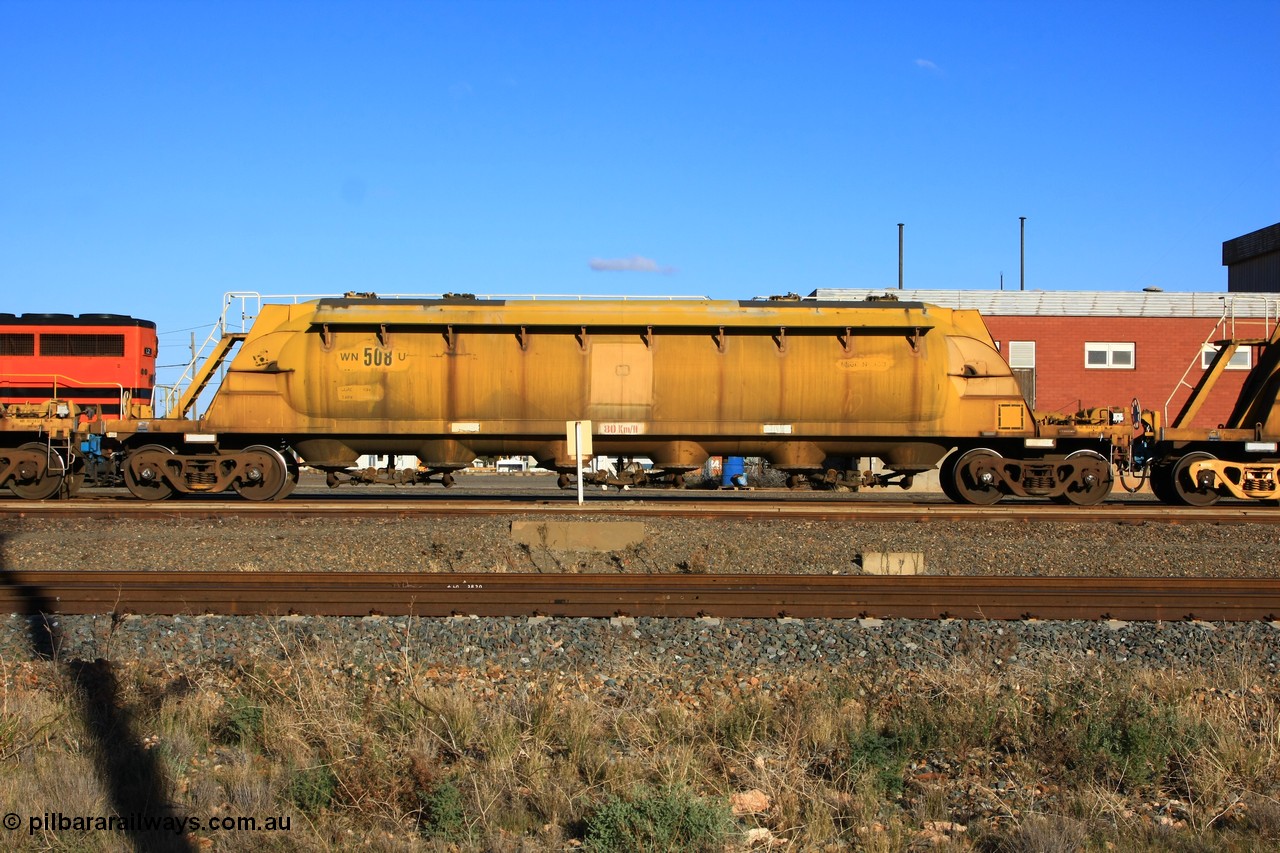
{"x": 975, "y": 756}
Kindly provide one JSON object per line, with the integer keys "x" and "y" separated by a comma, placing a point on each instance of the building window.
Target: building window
{"x": 1116, "y": 356}
{"x": 1022, "y": 354}
{"x": 1241, "y": 359}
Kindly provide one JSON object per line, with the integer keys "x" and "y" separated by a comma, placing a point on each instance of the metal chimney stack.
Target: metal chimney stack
{"x": 1022, "y": 253}
{"x": 899, "y": 256}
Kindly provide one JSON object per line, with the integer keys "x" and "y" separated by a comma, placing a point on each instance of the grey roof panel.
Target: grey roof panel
{"x": 1075, "y": 303}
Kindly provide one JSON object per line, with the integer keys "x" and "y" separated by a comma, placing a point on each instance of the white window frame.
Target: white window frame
{"x": 1022, "y": 355}
{"x": 1111, "y": 349}
{"x": 1241, "y": 359}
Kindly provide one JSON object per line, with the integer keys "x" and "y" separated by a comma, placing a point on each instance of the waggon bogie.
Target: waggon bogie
{"x": 984, "y": 475}
{"x": 1203, "y": 475}
{"x": 1256, "y": 480}
{"x": 258, "y": 472}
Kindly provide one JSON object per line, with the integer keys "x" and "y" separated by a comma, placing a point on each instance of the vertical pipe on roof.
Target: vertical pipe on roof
{"x": 1022, "y": 253}
{"x": 899, "y": 256}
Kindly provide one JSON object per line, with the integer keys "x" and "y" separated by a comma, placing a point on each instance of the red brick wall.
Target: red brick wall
{"x": 1163, "y": 348}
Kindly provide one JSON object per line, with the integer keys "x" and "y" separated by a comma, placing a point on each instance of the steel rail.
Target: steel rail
{"x": 599, "y": 595}
{"x": 756, "y": 510}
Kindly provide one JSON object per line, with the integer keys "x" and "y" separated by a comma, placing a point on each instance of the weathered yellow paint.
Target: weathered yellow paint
{"x": 1010, "y": 416}
{"x": 675, "y": 380}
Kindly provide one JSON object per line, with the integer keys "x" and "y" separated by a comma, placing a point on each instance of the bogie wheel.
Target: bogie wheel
{"x": 1090, "y": 493}
{"x": 74, "y": 477}
{"x": 144, "y": 473}
{"x": 295, "y": 473}
{"x": 1162, "y": 483}
{"x": 947, "y": 478}
{"x": 971, "y": 488}
{"x": 45, "y": 486}
{"x": 264, "y": 473}
{"x": 1184, "y": 487}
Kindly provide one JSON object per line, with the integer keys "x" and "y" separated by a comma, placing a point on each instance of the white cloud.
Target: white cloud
{"x": 928, "y": 65}
{"x": 635, "y": 263}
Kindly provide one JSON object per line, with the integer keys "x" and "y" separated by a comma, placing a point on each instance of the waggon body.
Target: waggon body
{"x": 677, "y": 381}
{"x": 813, "y": 387}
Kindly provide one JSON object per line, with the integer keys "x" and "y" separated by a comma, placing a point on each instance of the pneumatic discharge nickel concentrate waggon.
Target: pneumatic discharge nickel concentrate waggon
{"x": 446, "y": 380}
{"x": 813, "y": 387}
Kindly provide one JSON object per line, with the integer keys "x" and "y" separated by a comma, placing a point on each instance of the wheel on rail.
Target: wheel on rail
{"x": 264, "y": 473}
{"x": 144, "y": 473}
{"x": 295, "y": 473}
{"x": 1092, "y": 489}
{"x": 1162, "y": 483}
{"x": 947, "y": 478}
{"x": 973, "y": 486}
{"x": 1185, "y": 489}
{"x": 75, "y": 477}
{"x": 74, "y": 483}
{"x": 29, "y": 484}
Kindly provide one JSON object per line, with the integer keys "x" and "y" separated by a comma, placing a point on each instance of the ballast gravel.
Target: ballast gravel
{"x": 680, "y": 545}
{"x": 678, "y": 656}
{"x": 666, "y": 650}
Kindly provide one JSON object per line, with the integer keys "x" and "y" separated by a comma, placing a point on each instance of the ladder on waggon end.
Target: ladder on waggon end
{"x": 201, "y": 379}
{"x": 1250, "y": 407}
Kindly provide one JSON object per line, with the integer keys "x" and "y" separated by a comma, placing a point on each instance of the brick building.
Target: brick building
{"x": 1080, "y": 349}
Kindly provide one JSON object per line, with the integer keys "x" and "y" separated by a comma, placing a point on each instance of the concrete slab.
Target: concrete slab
{"x": 597, "y": 536}
{"x": 893, "y": 562}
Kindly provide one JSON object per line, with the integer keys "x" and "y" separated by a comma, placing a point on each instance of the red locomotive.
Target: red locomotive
{"x": 59, "y": 374}
{"x": 99, "y": 361}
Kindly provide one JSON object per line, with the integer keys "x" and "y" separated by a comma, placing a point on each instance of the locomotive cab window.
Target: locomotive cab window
{"x": 82, "y": 345}
{"x": 1114, "y": 356}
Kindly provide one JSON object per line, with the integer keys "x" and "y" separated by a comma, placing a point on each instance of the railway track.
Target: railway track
{"x": 601, "y": 596}
{"x": 404, "y": 505}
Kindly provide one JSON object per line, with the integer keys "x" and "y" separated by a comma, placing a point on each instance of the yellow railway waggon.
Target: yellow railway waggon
{"x": 813, "y": 387}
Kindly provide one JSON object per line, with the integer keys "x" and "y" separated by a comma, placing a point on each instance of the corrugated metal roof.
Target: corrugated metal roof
{"x": 1077, "y": 303}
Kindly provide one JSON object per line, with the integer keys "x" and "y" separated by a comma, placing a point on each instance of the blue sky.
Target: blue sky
{"x": 156, "y": 155}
